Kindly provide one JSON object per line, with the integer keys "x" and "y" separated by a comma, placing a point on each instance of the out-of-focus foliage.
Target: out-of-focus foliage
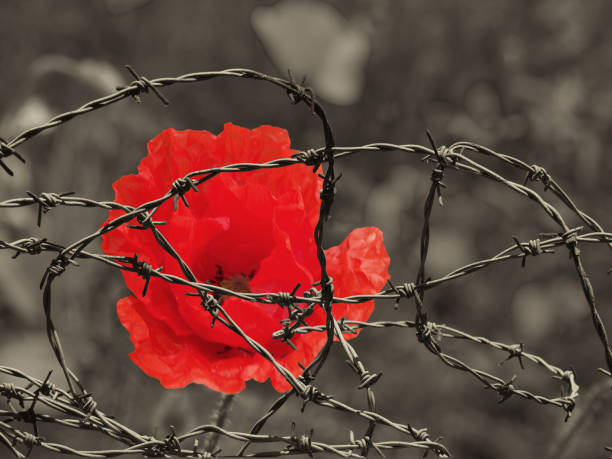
{"x": 530, "y": 78}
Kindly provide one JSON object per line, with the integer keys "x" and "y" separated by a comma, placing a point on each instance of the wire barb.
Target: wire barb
{"x": 368, "y": 379}
{"x": 48, "y": 200}
{"x": 142, "y": 85}
{"x": 5, "y": 151}
{"x": 505, "y": 390}
{"x": 144, "y": 270}
{"x": 532, "y": 248}
{"x": 211, "y": 305}
{"x": 179, "y": 187}
{"x": 404, "y": 291}
{"x": 536, "y": 172}
{"x": 437, "y": 175}
{"x": 33, "y": 246}
{"x": 298, "y": 92}
{"x": 515, "y": 351}
{"x": 311, "y": 157}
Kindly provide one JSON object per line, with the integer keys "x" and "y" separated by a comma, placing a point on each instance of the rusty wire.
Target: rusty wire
{"x": 74, "y": 407}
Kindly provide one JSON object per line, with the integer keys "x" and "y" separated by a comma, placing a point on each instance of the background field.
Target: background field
{"x": 527, "y": 78}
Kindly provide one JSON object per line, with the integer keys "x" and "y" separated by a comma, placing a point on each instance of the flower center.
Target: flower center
{"x": 237, "y": 283}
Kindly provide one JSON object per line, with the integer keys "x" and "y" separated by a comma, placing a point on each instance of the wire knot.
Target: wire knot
{"x": 311, "y": 157}
{"x": 32, "y": 245}
{"x": 142, "y": 85}
{"x": 328, "y": 191}
{"x": 536, "y": 172}
{"x": 211, "y": 305}
{"x": 298, "y": 92}
{"x": 407, "y": 289}
{"x": 312, "y": 394}
{"x": 437, "y": 175}
{"x": 286, "y": 333}
{"x": 5, "y": 151}
{"x": 363, "y": 443}
{"x": 313, "y": 292}
{"x": 419, "y": 434}
{"x": 443, "y": 154}
{"x": 368, "y": 379}
{"x": 47, "y": 389}
{"x": 505, "y": 390}
{"x": 46, "y": 201}
{"x": 533, "y": 248}
{"x": 144, "y": 270}
{"x": 57, "y": 267}
{"x": 169, "y": 445}
{"x": 570, "y": 238}
{"x": 422, "y": 435}
{"x": 30, "y": 440}
{"x": 284, "y": 299}
{"x": 141, "y": 268}
{"x": 180, "y": 187}
{"x": 86, "y": 403}
{"x": 296, "y": 314}
{"x": 514, "y": 351}
{"x": 404, "y": 291}
{"x": 428, "y": 333}
{"x": 568, "y": 405}
{"x": 302, "y": 444}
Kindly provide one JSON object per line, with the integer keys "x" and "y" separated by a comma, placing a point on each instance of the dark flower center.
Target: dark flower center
{"x": 237, "y": 283}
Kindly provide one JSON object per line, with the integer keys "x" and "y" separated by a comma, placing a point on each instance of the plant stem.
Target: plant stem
{"x": 219, "y": 419}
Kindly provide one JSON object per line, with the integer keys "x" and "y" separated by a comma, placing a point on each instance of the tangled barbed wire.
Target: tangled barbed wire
{"x": 75, "y": 408}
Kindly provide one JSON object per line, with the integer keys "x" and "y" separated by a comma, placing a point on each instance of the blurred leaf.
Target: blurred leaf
{"x": 313, "y": 39}
{"x": 98, "y": 74}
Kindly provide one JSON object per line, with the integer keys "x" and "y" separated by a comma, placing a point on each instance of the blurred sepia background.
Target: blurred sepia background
{"x": 526, "y": 78}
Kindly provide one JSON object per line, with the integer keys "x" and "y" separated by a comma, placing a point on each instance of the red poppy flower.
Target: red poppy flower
{"x": 249, "y": 232}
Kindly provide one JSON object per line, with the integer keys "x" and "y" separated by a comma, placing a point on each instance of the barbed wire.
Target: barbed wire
{"x": 74, "y": 407}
